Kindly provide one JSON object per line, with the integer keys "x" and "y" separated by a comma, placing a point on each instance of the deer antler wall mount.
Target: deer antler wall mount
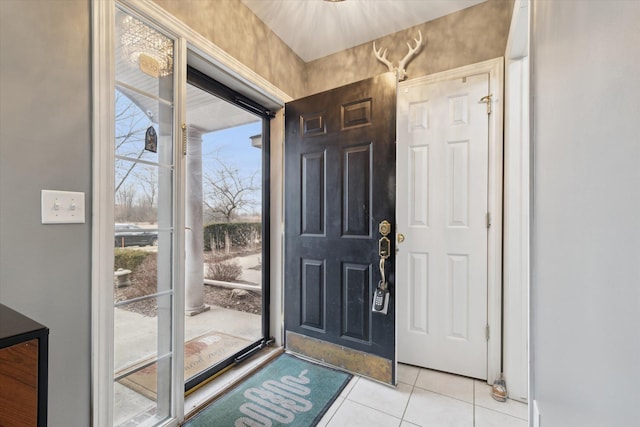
{"x": 400, "y": 70}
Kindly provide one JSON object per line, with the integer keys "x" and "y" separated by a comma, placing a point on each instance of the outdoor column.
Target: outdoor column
{"x": 194, "y": 232}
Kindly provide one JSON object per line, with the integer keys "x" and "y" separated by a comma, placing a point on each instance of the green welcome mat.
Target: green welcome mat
{"x": 287, "y": 392}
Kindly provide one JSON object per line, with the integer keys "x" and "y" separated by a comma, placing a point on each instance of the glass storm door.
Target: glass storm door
{"x": 226, "y": 212}
{"x": 144, "y": 196}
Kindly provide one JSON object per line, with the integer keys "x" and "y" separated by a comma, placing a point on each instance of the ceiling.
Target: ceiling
{"x": 317, "y": 28}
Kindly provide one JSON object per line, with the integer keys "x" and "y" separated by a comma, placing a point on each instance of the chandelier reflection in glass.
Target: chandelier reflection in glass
{"x": 146, "y": 47}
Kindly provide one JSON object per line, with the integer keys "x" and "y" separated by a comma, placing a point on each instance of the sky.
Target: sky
{"x": 234, "y": 147}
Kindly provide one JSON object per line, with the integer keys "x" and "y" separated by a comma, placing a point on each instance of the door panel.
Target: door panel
{"x": 339, "y": 185}
{"x": 356, "y": 191}
{"x": 144, "y": 313}
{"x": 442, "y": 210}
{"x": 313, "y": 196}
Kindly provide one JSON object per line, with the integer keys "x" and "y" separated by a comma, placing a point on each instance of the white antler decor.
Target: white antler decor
{"x": 400, "y": 70}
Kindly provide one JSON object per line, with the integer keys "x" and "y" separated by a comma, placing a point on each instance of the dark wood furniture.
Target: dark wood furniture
{"x": 24, "y": 352}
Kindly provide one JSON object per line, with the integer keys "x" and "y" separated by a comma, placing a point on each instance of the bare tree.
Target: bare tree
{"x": 148, "y": 180}
{"x": 227, "y": 192}
{"x": 131, "y": 125}
{"x": 136, "y": 183}
{"x": 125, "y": 198}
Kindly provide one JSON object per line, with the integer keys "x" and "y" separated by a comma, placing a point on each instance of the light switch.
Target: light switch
{"x": 62, "y": 207}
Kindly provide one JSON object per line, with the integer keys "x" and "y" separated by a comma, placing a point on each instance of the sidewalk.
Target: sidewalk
{"x": 251, "y": 268}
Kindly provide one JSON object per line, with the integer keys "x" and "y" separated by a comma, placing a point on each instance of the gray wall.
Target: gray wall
{"x": 45, "y": 143}
{"x": 471, "y": 35}
{"x": 466, "y": 37}
{"x": 230, "y": 25}
{"x": 586, "y": 213}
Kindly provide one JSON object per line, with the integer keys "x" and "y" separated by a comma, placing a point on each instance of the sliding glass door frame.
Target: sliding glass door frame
{"x": 210, "y": 85}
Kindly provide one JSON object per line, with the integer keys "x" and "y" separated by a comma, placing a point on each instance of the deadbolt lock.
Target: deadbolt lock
{"x": 385, "y": 228}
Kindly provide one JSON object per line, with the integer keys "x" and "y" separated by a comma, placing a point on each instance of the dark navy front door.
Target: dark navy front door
{"x": 339, "y": 186}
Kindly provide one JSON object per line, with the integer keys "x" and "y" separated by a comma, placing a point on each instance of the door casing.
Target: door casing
{"x": 517, "y": 182}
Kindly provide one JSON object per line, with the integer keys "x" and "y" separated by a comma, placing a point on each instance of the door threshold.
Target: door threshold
{"x": 203, "y": 396}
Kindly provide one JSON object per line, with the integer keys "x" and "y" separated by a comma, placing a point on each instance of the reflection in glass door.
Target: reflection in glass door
{"x": 223, "y": 235}
{"x": 144, "y": 223}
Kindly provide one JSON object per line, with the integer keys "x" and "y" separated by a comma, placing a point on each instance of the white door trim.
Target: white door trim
{"x": 234, "y": 74}
{"x": 516, "y": 229}
{"x": 102, "y": 346}
{"x": 494, "y": 68}
{"x": 517, "y": 205}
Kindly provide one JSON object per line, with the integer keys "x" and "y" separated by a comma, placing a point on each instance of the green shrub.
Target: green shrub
{"x": 226, "y": 271}
{"x": 241, "y": 234}
{"x": 145, "y": 275}
{"x": 144, "y": 281}
{"x": 129, "y": 259}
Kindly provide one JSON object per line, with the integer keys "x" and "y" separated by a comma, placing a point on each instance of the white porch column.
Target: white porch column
{"x": 194, "y": 238}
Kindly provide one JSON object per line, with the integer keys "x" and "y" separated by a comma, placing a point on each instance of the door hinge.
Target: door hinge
{"x": 184, "y": 139}
{"x": 487, "y": 100}
{"x": 488, "y": 219}
{"x": 487, "y": 332}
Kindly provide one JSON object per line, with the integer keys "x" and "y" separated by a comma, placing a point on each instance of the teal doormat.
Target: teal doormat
{"x": 287, "y": 392}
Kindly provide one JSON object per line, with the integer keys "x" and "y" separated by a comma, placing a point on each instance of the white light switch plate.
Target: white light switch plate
{"x": 62, "y": 207}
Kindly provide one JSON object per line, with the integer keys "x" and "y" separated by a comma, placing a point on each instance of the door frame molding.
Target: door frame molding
{"x": 495, "y": 69}
{"x": 517, "y": 184}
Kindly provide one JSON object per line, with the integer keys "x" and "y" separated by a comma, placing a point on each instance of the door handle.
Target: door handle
{"x": 384, "y": 244}
{"x": 383, "y": 282}
{"x": 381, "y": 294}
{"x": 400, "y": 237}
{"x": 384, "y": 248}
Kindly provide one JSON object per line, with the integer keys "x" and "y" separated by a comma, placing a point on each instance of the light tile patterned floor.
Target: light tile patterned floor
{"x": 422, "y": 398}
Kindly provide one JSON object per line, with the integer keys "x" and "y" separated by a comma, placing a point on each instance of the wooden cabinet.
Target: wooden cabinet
{"x": 24, "y": 348}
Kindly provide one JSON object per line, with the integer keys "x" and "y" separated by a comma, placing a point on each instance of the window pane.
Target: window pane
{"x": 140, "y": 134}
{"x": 140, "y": 201}
{"x": 143, "y": 397}
{"x": 144, "y": 222}
{"x": 136, "y": 335}
{"x": 141, "y": 50}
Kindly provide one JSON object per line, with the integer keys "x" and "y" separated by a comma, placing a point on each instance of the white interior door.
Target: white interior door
{"x": 442, "y": 211}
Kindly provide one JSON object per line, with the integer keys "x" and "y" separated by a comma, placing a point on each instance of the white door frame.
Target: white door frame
{"x": 494, "y": 67}
{"x": 517, "y": 205}
{"x": 233, "y": 74}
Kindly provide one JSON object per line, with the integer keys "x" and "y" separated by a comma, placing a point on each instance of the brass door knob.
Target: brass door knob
{"x": 400, "y": 237}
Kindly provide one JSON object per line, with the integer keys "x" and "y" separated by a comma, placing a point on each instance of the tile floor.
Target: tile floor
{"x": 422, "y": 398}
